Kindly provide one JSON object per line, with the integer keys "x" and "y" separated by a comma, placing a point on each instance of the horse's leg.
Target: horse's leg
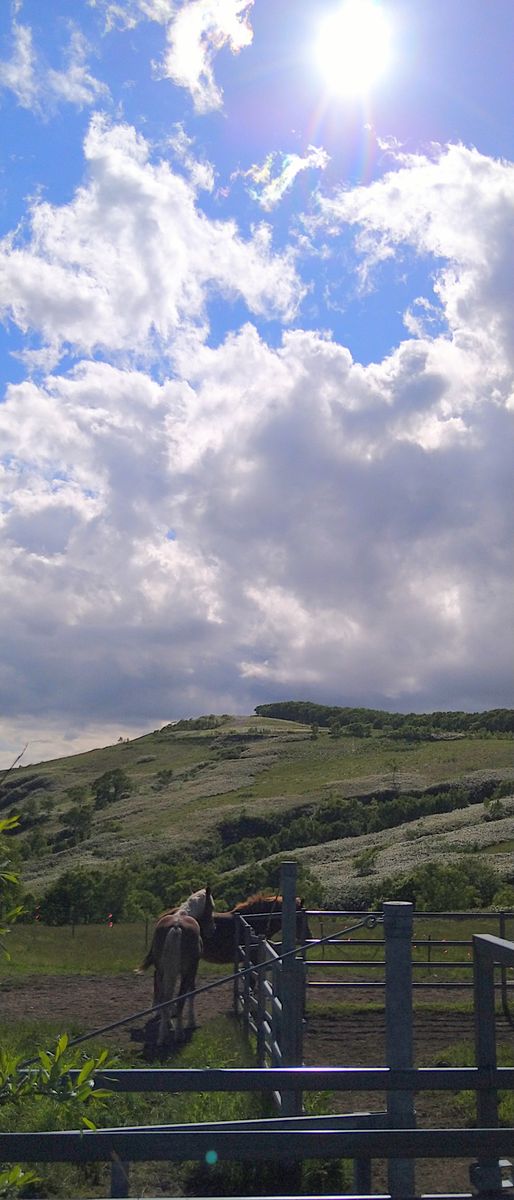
{"x": 187, "y": 985}
{"x": 169, "y": 974}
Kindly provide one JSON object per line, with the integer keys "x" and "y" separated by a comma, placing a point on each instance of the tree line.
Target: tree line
{"x": 359, "y": 721}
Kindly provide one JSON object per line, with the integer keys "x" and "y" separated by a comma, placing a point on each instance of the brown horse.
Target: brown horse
{"x": 263, "y": 912}
{"x": 175, "y": 952}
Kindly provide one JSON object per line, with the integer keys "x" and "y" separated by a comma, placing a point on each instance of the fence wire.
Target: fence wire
{"x": 369, "y": 922}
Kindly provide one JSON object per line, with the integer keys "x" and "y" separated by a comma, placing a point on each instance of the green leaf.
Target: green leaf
{"x": 86, "y": 1071}
{"x": 61, "y": 1045}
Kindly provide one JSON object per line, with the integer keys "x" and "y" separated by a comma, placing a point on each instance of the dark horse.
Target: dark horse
{"x": 175, "y": 952}
{"x": 263, "y": 912}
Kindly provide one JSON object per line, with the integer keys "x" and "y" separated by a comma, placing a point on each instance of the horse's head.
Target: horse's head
{"x": 266, "y": 911}
{"x": 201, "y": 906}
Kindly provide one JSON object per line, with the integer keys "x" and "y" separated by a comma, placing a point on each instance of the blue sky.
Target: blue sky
{"x": 255, "y": 360}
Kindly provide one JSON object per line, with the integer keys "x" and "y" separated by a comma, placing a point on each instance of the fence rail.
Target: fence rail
{"x": 389, "y": 1135}
{"x": 431, "y": 944}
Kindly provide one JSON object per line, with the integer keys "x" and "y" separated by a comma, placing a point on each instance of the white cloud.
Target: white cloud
{"x": 131, "y": 261}
{"x": 268, "y": 189}
{"x": 321, "y": 541}
{"x": 42, "y": 88}
{"x": 126, "y": 14}
{"x": 75, "y": 84}
{"x": 200, "y": 171}
{"x": 270, "y": 520}
{"x": 197, "y": 32}
{"x": 18, "y": 74}
{"x": 457, "y": 206}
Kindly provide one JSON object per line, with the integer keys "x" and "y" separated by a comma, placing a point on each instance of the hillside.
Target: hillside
{"x": 224, "y": 794}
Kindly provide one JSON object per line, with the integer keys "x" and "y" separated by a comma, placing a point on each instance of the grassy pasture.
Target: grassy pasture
{"x": 60, "y": 950}
{"x": 97, "y": 949}
{"x": 89, "y": 950}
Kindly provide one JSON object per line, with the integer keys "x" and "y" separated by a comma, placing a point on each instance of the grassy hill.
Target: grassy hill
{"x": 224, "y": 794}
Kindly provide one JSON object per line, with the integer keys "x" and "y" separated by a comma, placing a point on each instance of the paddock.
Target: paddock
{"x": 363, "y": 1136}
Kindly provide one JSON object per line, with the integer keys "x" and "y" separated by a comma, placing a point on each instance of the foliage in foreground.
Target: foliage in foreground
{"x": 218, "y": 1044}
{"x": 26, "y": 1086}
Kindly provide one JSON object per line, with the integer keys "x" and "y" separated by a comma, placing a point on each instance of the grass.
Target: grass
{"x": 276, "y": 772}
{"x": 97, "y": 949}
{"x": 91, "y": 950}
{"x": 58, "y": 950}
{"x": 218, "y": 1044}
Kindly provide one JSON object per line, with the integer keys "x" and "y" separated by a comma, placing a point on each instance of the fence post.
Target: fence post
{"x": 237, "y": 983}
{"x": 260, "y": 1016}
{"x": 399, "y": 1037}
{"x": 291, "y": 1101}
{"x": 119, "y": 1178}
{"x": 486, "y": 1174}
{"x": 247, "y": 962}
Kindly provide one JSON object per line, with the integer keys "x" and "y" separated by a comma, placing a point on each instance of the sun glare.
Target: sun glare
{"x": 352, "y": 48}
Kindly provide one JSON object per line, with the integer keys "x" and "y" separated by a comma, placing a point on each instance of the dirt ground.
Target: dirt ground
{"x": 357, "y": 1039}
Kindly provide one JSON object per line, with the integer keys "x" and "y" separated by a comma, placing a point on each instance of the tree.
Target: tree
{"x": 111, "y": 786}
{"x": 79, "y": 820}
{"x": 8, "y": 881}
{"x": 78, "y": 895}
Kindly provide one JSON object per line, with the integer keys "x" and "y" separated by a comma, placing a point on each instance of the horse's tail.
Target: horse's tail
{"x": 170, "y": 962}
{"x": 147, "y": 962}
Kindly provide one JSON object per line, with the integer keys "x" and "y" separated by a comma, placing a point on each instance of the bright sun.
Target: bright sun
{"x": 352, "y": 48}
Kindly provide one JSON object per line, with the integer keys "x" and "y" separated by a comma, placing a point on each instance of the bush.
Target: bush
{"x": 436, "y": 887}
{"x": 111, "y": 786}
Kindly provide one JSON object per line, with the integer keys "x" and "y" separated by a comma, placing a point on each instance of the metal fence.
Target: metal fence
{"x": 389, "y": 1135}
{"x": 431, "y": 956}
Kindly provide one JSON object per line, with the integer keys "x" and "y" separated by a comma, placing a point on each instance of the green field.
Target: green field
{"x": 96, "y": 949}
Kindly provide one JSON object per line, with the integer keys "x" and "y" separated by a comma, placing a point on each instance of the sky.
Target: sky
{"x": 256, "y": 351}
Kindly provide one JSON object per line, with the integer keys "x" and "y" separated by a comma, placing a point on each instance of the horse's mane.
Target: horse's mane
{"x": 258, "y": 898}
{"x": 194, "y": 906}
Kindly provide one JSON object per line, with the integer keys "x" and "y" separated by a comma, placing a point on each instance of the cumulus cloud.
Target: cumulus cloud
{"x": 315, "y": 547}
{"x": 268, "y": 520}
{"x": 197, "y": 32}
{"x": 131, "y": 261}
{"x": 268, "y": 187}
{"x": 457, "y": 206}
{"x": 42, "y": 88}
